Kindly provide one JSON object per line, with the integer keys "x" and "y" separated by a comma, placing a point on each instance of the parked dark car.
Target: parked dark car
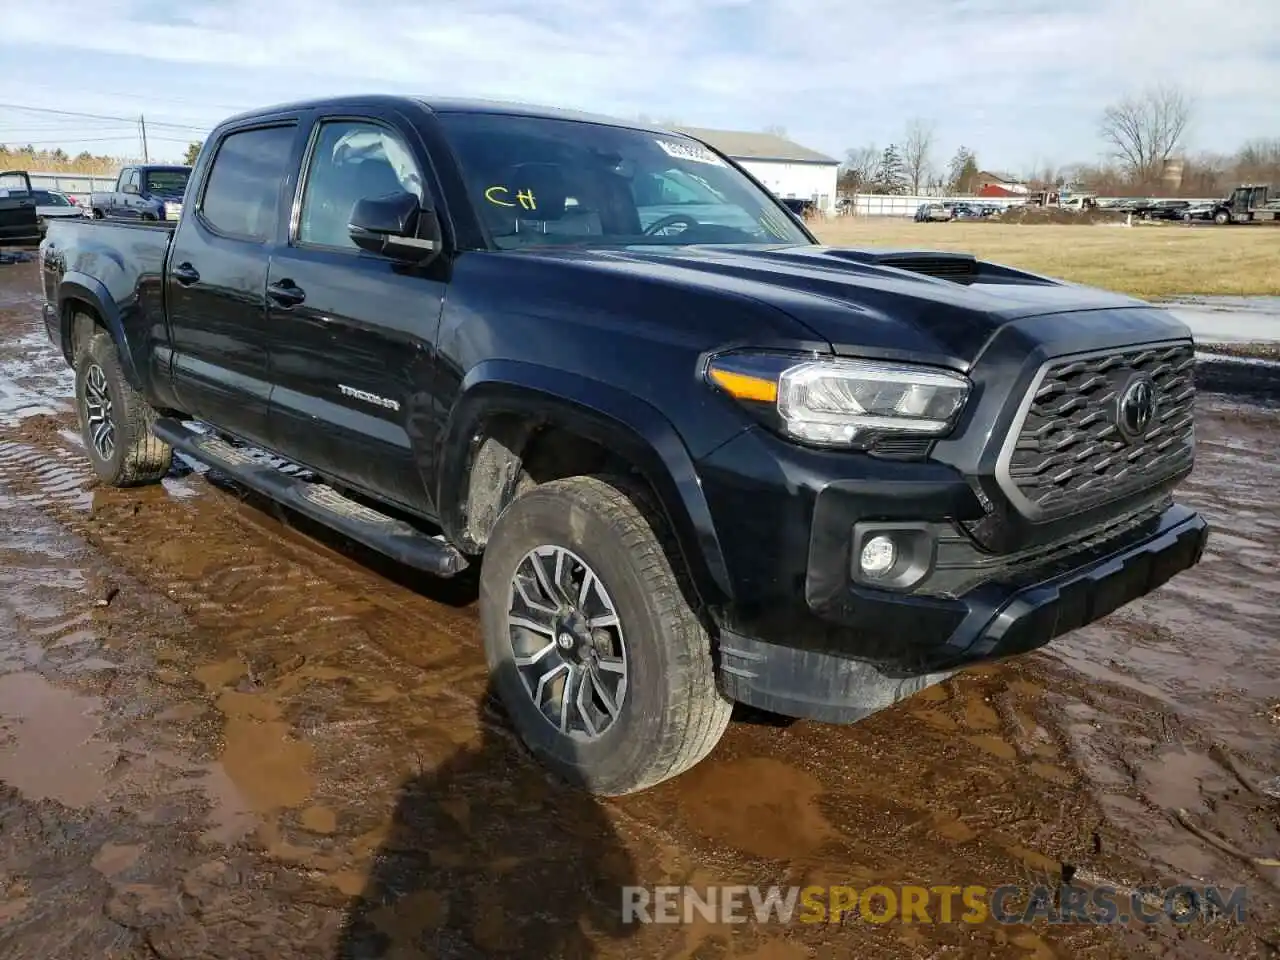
{"x": 801, "y": 208}
{"x": 1200, "y": 211}
{"x": 696, "y": 462}
{"x": 143, "y": 193}
{"x": 1166, "y": 210}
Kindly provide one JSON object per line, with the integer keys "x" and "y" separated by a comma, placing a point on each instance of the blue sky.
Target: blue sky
{"x": 1020, "y": 81}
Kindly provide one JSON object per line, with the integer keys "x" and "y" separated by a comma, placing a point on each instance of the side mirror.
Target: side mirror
{"x": 130, "y": 188}
{"x": 396, "y": 226}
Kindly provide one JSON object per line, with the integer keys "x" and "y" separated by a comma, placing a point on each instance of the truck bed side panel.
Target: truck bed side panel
{"x": 116, "y": 271}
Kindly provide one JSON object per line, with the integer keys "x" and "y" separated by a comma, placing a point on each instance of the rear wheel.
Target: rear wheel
{"x": 596, "y": 650}
{"x": 115, "y": 420}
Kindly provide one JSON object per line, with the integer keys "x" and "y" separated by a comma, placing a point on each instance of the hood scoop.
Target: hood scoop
{"x": 956, "y": 267}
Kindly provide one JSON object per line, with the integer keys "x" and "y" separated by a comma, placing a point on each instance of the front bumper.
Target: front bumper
{"x": 998, "y": 619}
{"x": 802, "y": 637}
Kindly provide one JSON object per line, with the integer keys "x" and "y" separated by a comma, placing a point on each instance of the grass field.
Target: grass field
{"x": 1148, "y": 261}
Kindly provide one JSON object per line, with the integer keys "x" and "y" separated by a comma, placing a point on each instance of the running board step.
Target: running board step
{"x": 320, "y": 502}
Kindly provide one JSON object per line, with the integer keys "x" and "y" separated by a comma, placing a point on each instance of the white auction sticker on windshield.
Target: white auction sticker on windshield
{"x": 689, "y": 151}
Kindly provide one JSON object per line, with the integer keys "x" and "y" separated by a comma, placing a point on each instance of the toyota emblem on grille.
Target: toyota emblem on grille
{"x": 1137, "y": 408}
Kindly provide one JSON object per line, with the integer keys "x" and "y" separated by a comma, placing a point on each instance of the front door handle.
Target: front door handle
{"x": 186, "y": 274}
{"x": 286, "y": 293}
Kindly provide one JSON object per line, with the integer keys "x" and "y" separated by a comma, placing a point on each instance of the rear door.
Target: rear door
{"x": 19, "y": 223}
{"x": 351, "y": 333}
{"x": 217, "y": 276}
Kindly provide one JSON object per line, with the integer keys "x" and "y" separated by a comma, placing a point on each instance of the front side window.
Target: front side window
{"x": 242, "y": 197}
{"x": 170, "y": 184}
{"x": 539, "y": 182}
{"x": 353, "y": 160}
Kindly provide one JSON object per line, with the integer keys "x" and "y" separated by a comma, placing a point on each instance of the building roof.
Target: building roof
{"x": 997, "y": 176}
{"x": 743, "y": 145}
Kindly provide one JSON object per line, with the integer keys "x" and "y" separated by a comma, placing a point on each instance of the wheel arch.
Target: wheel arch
{"x": 79, "y": 293}
{"x": 515, "y": 421}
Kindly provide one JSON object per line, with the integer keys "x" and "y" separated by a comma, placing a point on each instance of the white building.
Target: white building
{"x": 789, "y": 170}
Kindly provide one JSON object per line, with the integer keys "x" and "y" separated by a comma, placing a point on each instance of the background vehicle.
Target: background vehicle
{"x": 1200, "y": 211}
{"x": 931, "y": 211}
{"x": 143, "y": 193}
{"x": 696, "y": 459}
{"x": 1166, "y": 210}
{"x": 800, "y": 207}
{"x": 19, "y": 222}
{"x": 1248, "y": 203}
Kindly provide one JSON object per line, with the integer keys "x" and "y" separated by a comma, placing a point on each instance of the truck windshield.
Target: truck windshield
{"x": 540, "y": 182}
{"x": 168, "y": 183}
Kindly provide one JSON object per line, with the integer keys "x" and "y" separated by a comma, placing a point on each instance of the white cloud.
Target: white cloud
{"x": 1028, "y": 77}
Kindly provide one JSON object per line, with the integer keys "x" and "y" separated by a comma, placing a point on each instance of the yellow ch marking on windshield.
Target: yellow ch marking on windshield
{"x": 498, "y": 194}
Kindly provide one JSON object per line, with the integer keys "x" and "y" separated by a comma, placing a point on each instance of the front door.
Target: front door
{"x": 19, "y": 223}
{"x": 217, "y": 279}
{"x": 352, "y": 334}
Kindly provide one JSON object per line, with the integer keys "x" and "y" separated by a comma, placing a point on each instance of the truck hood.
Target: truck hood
{"x": 938, "y": 307}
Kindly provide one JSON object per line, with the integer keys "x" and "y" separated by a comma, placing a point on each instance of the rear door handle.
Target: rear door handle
{"x": 186, "y": 274}
{"x": 286, "y": 293}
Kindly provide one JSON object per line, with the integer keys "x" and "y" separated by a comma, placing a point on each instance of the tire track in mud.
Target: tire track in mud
{"x": 48, "y": 475}
{"x": 105, "y": 781}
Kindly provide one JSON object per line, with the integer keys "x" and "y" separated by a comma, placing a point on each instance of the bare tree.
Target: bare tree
{"x": 917, "y": 150}
{"x": 859, "y": 168}
{"x": 1145, "y": 131}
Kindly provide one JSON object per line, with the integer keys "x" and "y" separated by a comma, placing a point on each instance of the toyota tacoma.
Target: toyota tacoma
{"x": 693, "y": 456}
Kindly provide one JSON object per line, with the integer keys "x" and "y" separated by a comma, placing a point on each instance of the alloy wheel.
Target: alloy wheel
{"x": 567, "y": 642}
{"x": 98, "y": 412}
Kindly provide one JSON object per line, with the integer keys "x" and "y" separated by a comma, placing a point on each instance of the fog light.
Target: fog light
{"x": 878, "y": 556}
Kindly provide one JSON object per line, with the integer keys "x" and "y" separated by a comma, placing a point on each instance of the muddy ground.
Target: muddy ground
{"x": 223, "y": 737}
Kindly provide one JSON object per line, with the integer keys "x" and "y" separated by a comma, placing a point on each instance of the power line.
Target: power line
{"x": 99, "y": 116}
{"x": 149, "y": 98}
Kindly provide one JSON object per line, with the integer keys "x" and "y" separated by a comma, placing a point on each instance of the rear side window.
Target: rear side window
{"x": 243, "y": 193}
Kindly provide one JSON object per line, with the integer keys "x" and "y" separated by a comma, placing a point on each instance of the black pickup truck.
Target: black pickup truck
{"x": 695, "y": 456}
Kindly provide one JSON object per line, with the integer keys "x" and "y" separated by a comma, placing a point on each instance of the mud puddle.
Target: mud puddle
{"x": 276, "y": 746}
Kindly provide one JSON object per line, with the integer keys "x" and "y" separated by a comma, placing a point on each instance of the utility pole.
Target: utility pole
{"x": 142, "y": 125}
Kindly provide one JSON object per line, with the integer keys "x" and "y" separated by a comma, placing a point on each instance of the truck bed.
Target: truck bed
{"x": 127, "y": 259}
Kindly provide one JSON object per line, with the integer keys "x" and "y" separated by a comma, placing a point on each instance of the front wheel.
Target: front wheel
{"x": 1221, "y": 217}
{"x": 592, "y": 637}
{"x": 115, "y": 420}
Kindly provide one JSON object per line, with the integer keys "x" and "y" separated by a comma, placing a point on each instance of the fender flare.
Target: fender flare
{"x": 599, "y": 412}
{"x": 78, "y": 287}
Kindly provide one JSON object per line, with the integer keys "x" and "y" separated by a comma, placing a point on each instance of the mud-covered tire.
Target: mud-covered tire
{"x": 135, "y": 456}
{"x": 672, "y": 714}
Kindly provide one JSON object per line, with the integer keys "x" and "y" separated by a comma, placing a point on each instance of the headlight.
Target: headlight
{"x": 836, "y": 402}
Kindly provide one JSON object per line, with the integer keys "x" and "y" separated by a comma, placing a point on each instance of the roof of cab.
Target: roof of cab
{"x": 442, "y": 105}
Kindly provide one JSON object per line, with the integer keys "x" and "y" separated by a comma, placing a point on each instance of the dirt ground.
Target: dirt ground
{"x": 1151, "y": 260}
{"x": 221, "y": 737}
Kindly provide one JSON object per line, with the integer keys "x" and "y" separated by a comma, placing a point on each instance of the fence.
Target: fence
{"x": 885, "y": 205}
{"x": 76, "y": 185}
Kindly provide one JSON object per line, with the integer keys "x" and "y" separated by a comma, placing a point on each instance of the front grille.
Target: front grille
{"x": 1071, "y": 452}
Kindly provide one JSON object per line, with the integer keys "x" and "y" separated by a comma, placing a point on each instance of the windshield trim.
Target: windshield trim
{"x": 809, "y": 239}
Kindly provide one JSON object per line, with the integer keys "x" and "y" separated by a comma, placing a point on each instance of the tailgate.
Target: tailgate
{"x": 18, "y": 220}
